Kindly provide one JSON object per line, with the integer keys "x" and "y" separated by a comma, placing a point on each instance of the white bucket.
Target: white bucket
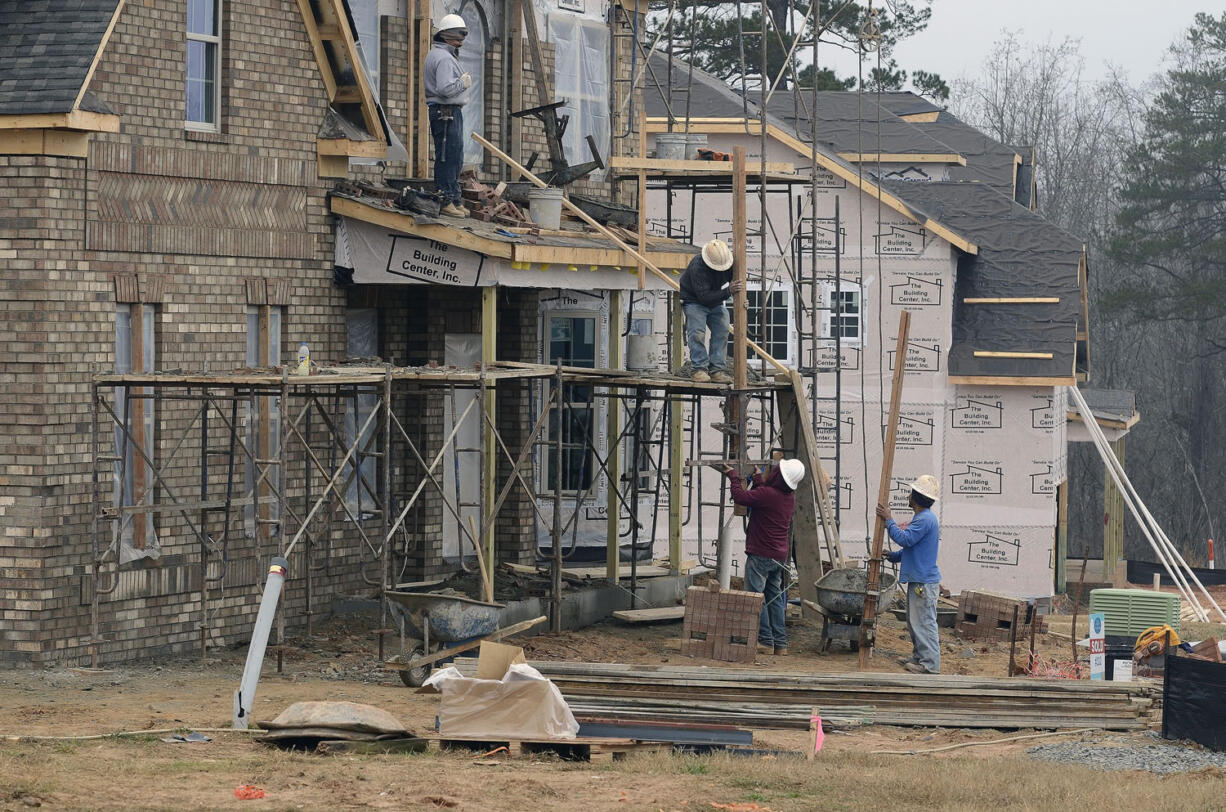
{"x": 642, "y": 353}
{"x": 670, "y": 146}
{"x": 694, "y": 142}
{"x": 545, "y": 206}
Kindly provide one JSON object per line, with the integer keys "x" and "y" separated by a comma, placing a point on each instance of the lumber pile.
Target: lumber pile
{"x": 753, "y": 698}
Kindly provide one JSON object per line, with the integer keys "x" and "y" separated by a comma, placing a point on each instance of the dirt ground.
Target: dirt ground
{"x": 143, "y": 772}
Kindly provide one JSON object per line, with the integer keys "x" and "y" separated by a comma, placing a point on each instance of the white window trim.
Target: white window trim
{"x": 206, "y": 126}
{"x": 827, "y": 311}
{"x": 793, "y": 338}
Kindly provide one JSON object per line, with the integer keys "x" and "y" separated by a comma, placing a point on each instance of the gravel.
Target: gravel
{"x": 1124, "y": 754}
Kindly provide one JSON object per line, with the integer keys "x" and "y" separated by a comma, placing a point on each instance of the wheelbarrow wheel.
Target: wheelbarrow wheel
{"x": 414, "y": 677}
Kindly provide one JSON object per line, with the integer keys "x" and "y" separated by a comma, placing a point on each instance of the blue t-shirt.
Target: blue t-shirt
{"x": 919, "y": 543}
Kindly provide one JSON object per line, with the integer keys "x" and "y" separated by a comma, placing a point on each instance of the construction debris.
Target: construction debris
{"x": 778, "y": 700}
{"x": 304, "y": 725}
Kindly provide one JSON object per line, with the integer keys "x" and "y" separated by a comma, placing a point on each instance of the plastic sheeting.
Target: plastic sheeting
{"x": 1192, "y": 705}
{"x": 581, "y": 76}
{"x": 521, "y": 705}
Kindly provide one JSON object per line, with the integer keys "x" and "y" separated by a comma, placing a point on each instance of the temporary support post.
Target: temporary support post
{"x": 555, "y": 571}
{"x": 1061, "y": 557}
{"x": 735, "y": 409}
{"x": 641, "y": 200}
{"x": 1113, "y": 517}
{"x": 676, "y": 435}
{"x": 869, "y": 619}
{"x": 613, "y": 431}
{"x": 489, "y": 354}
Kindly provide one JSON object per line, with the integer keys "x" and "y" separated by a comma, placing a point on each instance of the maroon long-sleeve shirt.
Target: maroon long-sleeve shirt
{"x": 772, "y": 502}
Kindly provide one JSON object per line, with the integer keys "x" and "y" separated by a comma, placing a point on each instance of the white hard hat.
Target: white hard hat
{"x": 927, "y": 485}
{"x": 452, "y": 21}
{"x": 717, "y": 255}
{"x": 792, "y": 472}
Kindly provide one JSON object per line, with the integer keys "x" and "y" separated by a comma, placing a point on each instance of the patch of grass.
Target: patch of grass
{"x": 694, "y": 767}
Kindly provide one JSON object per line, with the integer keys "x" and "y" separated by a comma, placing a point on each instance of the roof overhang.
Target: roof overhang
{"x": 741, "y": 126}
{"x": 80, "y": 120}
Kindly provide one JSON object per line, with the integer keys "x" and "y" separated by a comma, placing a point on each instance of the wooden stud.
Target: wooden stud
{"x": 1061, "y": 556}
{"x": 676, "y": 435}
{"x": 641, "y": 199}
{"x": 1013, "y": 300}
{"x": 869, "y": 619}
{"x": 740, "y": 301}
{"x": 1113, "y": 513}
{"x": 1034, "y": 355}
{"x": 613, "y": 431}
{"x": 489, "y": 354}
{"x": 1004, "y": 380}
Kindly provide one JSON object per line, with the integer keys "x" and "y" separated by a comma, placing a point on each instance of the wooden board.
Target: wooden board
{"x": 644, "y": 571}
{"x": 657, "y": 615}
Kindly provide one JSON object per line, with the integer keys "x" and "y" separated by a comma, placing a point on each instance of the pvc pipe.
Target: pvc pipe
{"x": 244, "y": 697}
{"x": 1211, "y": 566}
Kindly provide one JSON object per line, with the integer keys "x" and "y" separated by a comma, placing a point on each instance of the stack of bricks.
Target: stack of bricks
{"x": 989, "y": 616}
{"x": 721, "y": 624}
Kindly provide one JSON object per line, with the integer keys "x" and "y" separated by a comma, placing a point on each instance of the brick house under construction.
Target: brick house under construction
{"x": 164, "y": 207}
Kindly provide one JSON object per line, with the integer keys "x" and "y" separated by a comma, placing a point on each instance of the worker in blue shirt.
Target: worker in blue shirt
{"x": 920, "y": 541}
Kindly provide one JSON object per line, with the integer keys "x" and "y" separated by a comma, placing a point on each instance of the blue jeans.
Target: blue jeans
{"x": 448, "y": 151}
{"x": 766, "y": 575}
{"x": 697, "y": 319}
{"x": 922, "y": 625}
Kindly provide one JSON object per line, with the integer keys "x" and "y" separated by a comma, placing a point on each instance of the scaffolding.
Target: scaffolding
{"x": 292, "y": 497}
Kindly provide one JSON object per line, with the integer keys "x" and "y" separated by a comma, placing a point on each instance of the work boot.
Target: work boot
{"x": 765, "y": 648}
{"x": 916, "y": 668}
{"x": 781, "y": 651}
{"x": 452, "y": 210}
{"x": 701, "y": 376}
{"x": 721, "y": 377}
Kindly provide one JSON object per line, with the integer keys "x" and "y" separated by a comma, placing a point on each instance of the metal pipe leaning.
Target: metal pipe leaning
{"x": 582, "y": 215}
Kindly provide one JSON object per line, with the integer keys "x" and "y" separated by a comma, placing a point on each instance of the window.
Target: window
{"x": 581, "y": 77}
{"x": 362, "y": 341}
{"x": 572, "y": 340}
{"x": 844, "y": 320}
{"x": 769, "y": 321}
{"x": 263, "y": 417}
{"x": 135, "y": 351}
{"x": 203, "y": 84}
{"x": 472, "y": 60}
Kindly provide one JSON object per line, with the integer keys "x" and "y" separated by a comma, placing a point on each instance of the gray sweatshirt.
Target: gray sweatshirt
{"x": 441, "y": 76}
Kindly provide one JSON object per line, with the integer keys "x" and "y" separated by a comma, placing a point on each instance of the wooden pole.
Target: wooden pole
{"x": 489, "y": 443}
{"x": 869, "y": 619}
{"x": 740, "y": 374}
{"x": 642, "y": 193}
{"x": 620, "y": 243}
{"x": 676, "y": 438}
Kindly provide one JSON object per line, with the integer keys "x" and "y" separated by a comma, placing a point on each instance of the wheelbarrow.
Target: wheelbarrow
{"x": 840, "y": 599}
{"x": 442, "y": 626}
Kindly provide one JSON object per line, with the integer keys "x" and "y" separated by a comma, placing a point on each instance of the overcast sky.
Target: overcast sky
{"x": 1132, "y": 34}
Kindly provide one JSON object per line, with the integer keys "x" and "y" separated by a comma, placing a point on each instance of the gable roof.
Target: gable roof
{"x": 48, "y": 51}
{"x": 1017, "y": 302}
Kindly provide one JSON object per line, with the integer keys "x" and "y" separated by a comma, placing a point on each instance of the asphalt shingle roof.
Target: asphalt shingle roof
{"x": 46, "y": 48}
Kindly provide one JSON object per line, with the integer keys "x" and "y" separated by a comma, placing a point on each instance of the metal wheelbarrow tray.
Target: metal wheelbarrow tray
{"x": 447, "y": 618}
{"x": 842, "y": 591}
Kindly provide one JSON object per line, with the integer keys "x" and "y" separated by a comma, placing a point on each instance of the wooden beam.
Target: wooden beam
{"x": 370, "y": 108}
{"x": 64, "y": 143}
{"x": 93, "y": 65}
{"x": 904, "y": 157}
{"x": 489, "y": 443}
{"x": 613, "y": 432}
{"x": 683, "y": 167}
{"x": 869, "y": 619}
{"x": 351, "y": 149}
{"x": 992, "y": 354}
{"x": 317, "y": 47}
{"x": 1008, "y": 380}
{"x": 76, "y": 120}
{"x": 641, "y": 194}
{"x": 740, "y": 299}
{"x": 1012, "y": 300}
{"x": 676, "y": 435}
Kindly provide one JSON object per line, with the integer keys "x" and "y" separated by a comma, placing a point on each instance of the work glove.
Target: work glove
{"x": 466, "y": 79}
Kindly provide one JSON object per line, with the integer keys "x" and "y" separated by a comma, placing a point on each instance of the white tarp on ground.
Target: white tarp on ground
{"x": 382, "y": 256}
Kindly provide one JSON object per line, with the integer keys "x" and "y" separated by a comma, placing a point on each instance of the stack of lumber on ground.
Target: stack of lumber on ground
{"x": 761, "y": 699}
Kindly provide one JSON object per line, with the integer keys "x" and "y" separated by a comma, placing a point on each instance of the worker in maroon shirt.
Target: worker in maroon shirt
{"x": 768, "y": 544}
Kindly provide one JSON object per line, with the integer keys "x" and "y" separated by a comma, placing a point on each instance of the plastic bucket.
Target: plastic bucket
{"x": 545, "y": 205}
{"x": 642, "y": 353}
{"x": 671, "y": 146}
{"x": 694, "y": 142}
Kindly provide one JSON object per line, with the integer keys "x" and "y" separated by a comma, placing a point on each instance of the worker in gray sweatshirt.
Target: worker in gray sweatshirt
{"x": 446, "y": 86}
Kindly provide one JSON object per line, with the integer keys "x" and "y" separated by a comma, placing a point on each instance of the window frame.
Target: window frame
{"x": 751, "y": 322}
{"x": 830, "y": 317}
{"x": 215, "y": 40}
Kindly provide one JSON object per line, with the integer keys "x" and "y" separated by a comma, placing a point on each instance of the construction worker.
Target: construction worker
{"x": 920, "y": 542}
{"x": 768, "y": 544}
{"x": 447, "y": 86}
{"x": 706, "y": 284}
